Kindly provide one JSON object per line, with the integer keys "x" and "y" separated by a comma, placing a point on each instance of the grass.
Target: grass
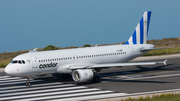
{"x": 4, "y": 63}
{"x": 175, "y": 50}
{"x": 162, "y": 97}
{"x": 6, "y": 57}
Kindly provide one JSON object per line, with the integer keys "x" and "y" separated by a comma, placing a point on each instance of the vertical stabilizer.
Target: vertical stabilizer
{"x": 140, "y": 34}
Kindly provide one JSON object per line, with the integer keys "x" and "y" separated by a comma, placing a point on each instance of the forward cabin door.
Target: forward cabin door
{"x": 35, "y": 68}
{"x": 34, "y": 62}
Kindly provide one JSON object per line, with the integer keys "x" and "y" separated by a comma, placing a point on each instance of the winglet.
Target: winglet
{"x": 165, "y": 62}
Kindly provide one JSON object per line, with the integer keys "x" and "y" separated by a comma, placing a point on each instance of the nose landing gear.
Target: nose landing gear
{"x": 28, "y": 81}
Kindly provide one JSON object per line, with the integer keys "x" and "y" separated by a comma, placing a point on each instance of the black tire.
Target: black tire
{"x": 96, "y": 79}
{"x": 28, "y": 84}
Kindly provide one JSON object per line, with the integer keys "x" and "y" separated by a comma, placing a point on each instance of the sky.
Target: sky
{"x": 27, "y": 24}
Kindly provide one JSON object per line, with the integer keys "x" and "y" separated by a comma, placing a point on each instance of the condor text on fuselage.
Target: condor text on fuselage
{"x": 48, "y": 65}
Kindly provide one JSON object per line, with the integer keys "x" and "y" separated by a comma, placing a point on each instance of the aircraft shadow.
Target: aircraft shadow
{"x": 138, "y": 81}
{"x": 140, "y": 70}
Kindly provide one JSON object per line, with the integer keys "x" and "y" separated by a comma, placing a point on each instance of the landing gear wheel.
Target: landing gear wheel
{"x": 28, "y": 84}
{"x": 28, "y": 81}
{"x": 96, "y": 79}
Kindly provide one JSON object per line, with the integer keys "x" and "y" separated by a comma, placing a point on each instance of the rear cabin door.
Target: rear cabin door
{"x": 131, "y": 52}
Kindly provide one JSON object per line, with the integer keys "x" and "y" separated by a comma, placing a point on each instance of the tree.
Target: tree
{"x": 86, "y": 45}
{"x": 50, "y": 47}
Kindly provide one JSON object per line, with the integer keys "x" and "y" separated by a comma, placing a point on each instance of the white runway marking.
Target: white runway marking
{"x": 67, "y": 95}
{"x": 29, "y": 88}
{"x": 32, "y": 85}
{"x": 11, "y": 78}
{"x": 14, "y": 89}
{"x": 4, "y": 76}
{"x": 17, "y": 82}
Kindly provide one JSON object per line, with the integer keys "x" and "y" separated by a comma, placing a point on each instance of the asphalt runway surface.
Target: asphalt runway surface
{"x": 115, "y": 82}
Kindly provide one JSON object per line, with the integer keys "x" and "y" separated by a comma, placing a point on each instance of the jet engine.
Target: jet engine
{"x": 82, "y": 75}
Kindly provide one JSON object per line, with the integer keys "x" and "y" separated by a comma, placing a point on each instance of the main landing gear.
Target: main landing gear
{"x": 28, "y": 81}
{"x": 66, "y": 76}
{"x": 96, "y": 79}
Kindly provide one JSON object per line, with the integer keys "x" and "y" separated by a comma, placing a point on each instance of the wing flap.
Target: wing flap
{"x": 114, "y": 65}
{"x": 127, "y": 64}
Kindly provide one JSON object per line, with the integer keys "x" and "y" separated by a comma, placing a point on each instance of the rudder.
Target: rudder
{"x": 140, "y": 34}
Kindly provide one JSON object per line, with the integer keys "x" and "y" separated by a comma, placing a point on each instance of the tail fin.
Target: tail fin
{"x": 139, "y": 35}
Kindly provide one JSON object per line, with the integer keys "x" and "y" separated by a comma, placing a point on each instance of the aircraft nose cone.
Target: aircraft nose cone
{"x": 7, "y": 70}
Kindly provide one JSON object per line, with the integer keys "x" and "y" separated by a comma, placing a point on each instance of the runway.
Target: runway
{"x": 115, "y": 82}
{"x": 144, "y": 79}
{"x": 13, "y": 88}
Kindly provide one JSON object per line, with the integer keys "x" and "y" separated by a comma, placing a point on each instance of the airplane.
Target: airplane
{"x": 84, "y": 63}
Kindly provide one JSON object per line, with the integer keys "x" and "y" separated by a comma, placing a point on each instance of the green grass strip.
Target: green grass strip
{"x": 162, "y": 97}
{"x": 175, "y": 50}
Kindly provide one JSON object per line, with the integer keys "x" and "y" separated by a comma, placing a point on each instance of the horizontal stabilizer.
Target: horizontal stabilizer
{"x": 154, "y": 48}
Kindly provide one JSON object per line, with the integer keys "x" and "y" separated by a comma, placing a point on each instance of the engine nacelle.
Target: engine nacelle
{"x": 82, "y": 75}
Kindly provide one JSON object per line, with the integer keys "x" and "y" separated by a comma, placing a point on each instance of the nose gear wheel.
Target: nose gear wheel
{"x": 28, "y": 81}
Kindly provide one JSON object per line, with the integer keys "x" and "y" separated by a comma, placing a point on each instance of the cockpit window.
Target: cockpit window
{"x": 18, "y": 61}
{"x": 23, "y": 61}
{"x": 15, "y": 61}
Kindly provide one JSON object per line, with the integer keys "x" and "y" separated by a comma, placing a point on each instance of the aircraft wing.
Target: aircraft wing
{"x": 114, "y": 65}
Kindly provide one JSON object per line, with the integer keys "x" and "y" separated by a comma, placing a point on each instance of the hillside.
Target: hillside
{"x": 6, "y": 57}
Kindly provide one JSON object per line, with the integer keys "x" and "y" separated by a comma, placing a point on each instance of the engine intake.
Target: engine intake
{"x": 82, "y": 75}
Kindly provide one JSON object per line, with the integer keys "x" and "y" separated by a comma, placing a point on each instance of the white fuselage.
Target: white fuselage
{"x": 59, "y": 61}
